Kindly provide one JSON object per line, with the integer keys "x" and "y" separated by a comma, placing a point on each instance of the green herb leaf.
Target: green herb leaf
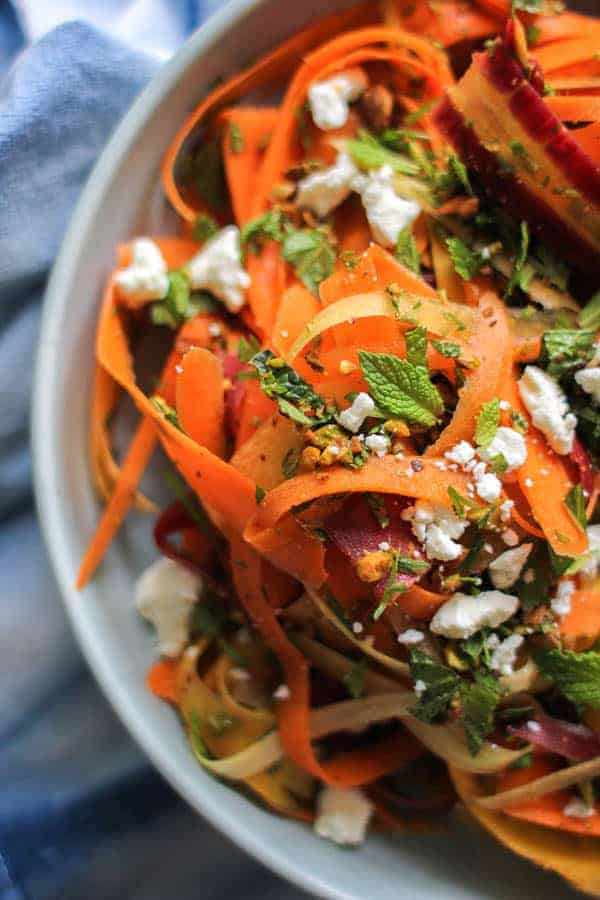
{"x": 517, "y": 276}
{"x": 166, "y": 411}
{"x": 406, "y": 250}
{"x": 519, "y": 151}
{"x": 488, "y": 421}
{"x": 311, "y": 254}
{"x": 467, "y": 262}
{"x": 575, "y": 675}
{"x": 369, "y": 153}
{"x": 355, "y": 678}
{"x": 236, "y": 138}
{"x": 532, "y": 33}
{"x": 447, "y": 348}
{"x": 295, "y": 397}
{"x": 269, "y": 226}
{"x": 519, "y": 422}
{"x": 479, "y": 700}
{"x": 576, "y": 503}
{"x": 566, "y": 349}
{"x": 416, "y": 346}
{"x": 204, "y": 227}
{"x": 589, "y": 317}
{"x": 441, "y": 685}
{"x": 421, "y": 111}
{"x": 401, "y": 389}
{"x": 259, "y": 493}
{"x": 290, "y": 462}
{"x": 247, "y": 348}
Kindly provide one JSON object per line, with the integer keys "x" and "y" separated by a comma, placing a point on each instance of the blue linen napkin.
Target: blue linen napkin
{"x": 82, "y": 813}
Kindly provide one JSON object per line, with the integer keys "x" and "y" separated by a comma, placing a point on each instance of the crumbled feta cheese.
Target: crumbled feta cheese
{"x": 386, "y": 212}
{"x": 282, "y": 692}
{"x": 378, "y": 443}
{"x": 488, "y": 487}
{"x": 589, "y": 381}
{"x": 438, "y": 528}
{"x": 505, "y": 655}
{"x": 214, "y": 329}
{"x": 506, "y": 509}
{"x": 577, "y": 808}
{"x": 534, "y": 726}
{"x": 362, "y": 407}
{"x": 323, "y": 190}
{"x": 411, "y": 636}
{"x": 343, "y": 815}
{"x": 507, "y": 567}
{"x": 145, "y": 279}
{"x": 561, "y": 602}
{"x": 358, "y": 627}
{"x": 329, "y": 100}
{"x": 548, "y": 408}
{"x": 590, "y": 569}
{"x": 510, "y": 537}
{"x": 165, "y": 594}
{"x": 217, "y": 268}
{"x": 420, "y": 687}
{"x": 492, "y": 641}
{"x": 463, "y": 614}
{"x": 461, "y": 453}
{"x": 508, "y": 443}
{"x": 384, "y": 545}
{"x": 504, "y": 405}
{"x": 333, "y": 450}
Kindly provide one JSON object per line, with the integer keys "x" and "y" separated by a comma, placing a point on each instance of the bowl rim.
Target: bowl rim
{"x": 43, "y": 451}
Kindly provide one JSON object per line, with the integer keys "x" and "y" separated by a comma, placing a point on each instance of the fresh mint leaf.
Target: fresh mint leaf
{"x": 401, "y": 389}
{"x": 576, "y": 503}
{"x": 269, "y": 226}
{"x": 416, "y": 346}
{"x": 518, "y": 277}
{"x": 566, "y": 349}
{"x": 589, "y": 317}
{"x": 406, "y": 250}
{"x": 441, "y": 686}
{"x": 311, "y": 254}
{"x": 575, "y": 675}
{"x": 447, "y": 348}
{"x": 354, "y": 680}
{"x": 236, "y": 138}
{"x": 479, "y": 700}
{"x": 467, "y": 262}
{"x": 368, "y": 153}
{"x": 295, "y": 397}
{"x": 487, "y": 424}
{"x": 247, "y": 348}
{"x": 204, "y": 227}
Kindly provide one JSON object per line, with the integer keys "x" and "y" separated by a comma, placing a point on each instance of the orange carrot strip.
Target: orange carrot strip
{"x": 162, "y": 680}
{"x": 583, "y": 621}
{"x": 419, "y": 603}
{"x": 134, "y": 465}
{"x": 244, "y": 141}
{"x": 375, "y": 269}
{"x": 199, "y": 399}
{"x": 582, "y": 49}
{"x": 527, "y": 526}
{"x": 297, "y": 307}
{"x": 589, "y": 140}
{"x": 575, "y": 108}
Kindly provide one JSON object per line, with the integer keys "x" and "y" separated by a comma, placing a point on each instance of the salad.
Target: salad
{"x": 375, "y": 376}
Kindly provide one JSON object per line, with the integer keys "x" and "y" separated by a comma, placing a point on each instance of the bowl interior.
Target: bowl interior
{"x": 123, "y": 199}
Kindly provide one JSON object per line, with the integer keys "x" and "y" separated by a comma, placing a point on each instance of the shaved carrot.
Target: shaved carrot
{"x": 244, "y": 141}
{"x": 199, "y": 399}
{"x": 375, "y": 270}
{"x": 580, "y": 628}
{"x": 574, "y": 108}
{"x": 296, "y": 309}
{"x": 162, "y": 680}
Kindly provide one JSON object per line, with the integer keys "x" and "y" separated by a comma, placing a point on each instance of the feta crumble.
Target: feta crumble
{"x": 386, "y": 212}
{"x": 463, "y": 614}
{"x": 217, "y": 268}
{"x": 461, "y": 453}
{"x": 329, "y": 100}
{"x": 353, "y": 418}
{"x": 504, "y": 656}
{"x": 378, "y": 443}
{"x": 164, "y": 595}
{"x": 548, "y": 407}
{"x": 508, "y": 443}
{"x": 438, "y": 529}
{"x": 506, "y": 568}
{"x": 506, "y": 509}
{"x": 590, "y": 569}
{"x": 322, "y": 191}
{"x": 561, "y": 602}
{"x": 282, "y": 692}
{"x": 488, "y": 487}
{"x": 589, "y": 381}
{"x": 534, "y": 726}
{"x": 343, "y": 815}
{"x": 577, "y": 808}
{"x": 420, "y": 687}
{"x": 411, "y": 636}
{"x": 510, "y": 537}
{"x": 146, "y": 278}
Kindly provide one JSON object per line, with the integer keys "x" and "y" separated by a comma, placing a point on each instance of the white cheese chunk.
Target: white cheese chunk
{"x": 461, "y": 454}
{"x": 463, "y": 614}
{"x": 590, "y": 569}
{"x": 507, "y": 567}
{"x": 217, "y": 268}
{"x": 561, "y": 602}
{"x": 438, "y": 528}
{"x": 329, "y": 100}
{"x": 548, "y": 408}
{"x": 343, "y": 815}
{"x": 322, "y": 191}
{"x": 145, "y": 279}
{"x": 165, "y": 594}
{"x": 410, "y": 636}
{"x": 386, "y": 212}
{"x": 508, "y": 443}
{"x": 577, "y": 808}
{"x": 362, "y": 407}
{"x": 488, "y": 487}
{"x": 589, "y": 381}
{"x": 379, "y": 444}
{"x": 504, "y": 656}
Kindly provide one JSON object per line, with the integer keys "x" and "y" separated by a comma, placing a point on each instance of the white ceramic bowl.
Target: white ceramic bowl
{"x": 120, "y": 201}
